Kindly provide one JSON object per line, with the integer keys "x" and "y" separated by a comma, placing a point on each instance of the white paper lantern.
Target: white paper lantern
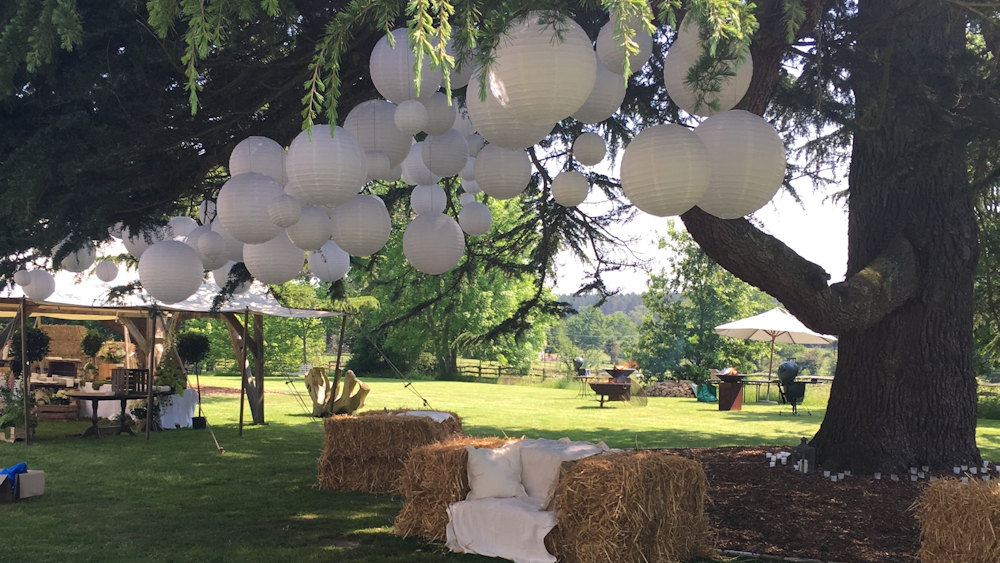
{"x": 116, "y": 230}
{"x": 329, "y": 263}
{"x": 747, "y": 160}
{"x": 258, "y": 154}
{"x": 221, "y": 277}
{"x": 234, "y": 248}
{"x": 312, "y": 230}
{"x": 466, "y": 198}
{"x": 732, "y": 88}
{"x": 445, "y": 155}
{"x": 665, "y": 170}
{"x": 570, "y": 188}
{"x": 243, "y": 207}
{"x": 469, "y": 171}
{"x": 284, "y": 210}
{"x": 440, "y": 115}
{"x": 502, "y": 173}
{"x": 206, "y": 211}
{"x": 106, "y": 271}
{"x": 539, "y": 77}
{"x": 612, "y": 53}
{"x": 459, "y": 76}
{"x": 687, "y": 42}
{"x": 361, "y": 226}
{"x": 373, "y": 124}
{"x": 137, "y": 243}
{"x": 428, "y": 199}
{"x": 22, "y": 277}
{"x": 589, "y": 149}
{"x": 170, "y": 271}
{"x": 41, "y": 287}
{"x": 178, "y": 228}
{"x": 394, "y": 174}
{"x": 410, "y": 117}
{"x": 78, "y": 260}
{"x": 463, "y": 124}
{"x": 498, "y": 126}
{"x": 325, "y": 170}
{"x": 605, "y": 98}
{"x": 377, "y": 165}
{"x": 476, "y": 144}
{"x": 414, "y": 171}
{"x": 475, "y": 218}
{"x": 194, "y": 236}
{"x": 433, "y": 243}
{"x": 471, "y": 186}
{"x": 210, "y": 246}
{"x": 392, "y": 72}
{"x": 274, "y": 262}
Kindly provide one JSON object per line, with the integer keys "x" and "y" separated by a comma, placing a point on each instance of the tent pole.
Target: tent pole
{"x": 25, "y": 375}
{"x": 770, "y": 366}
{"x": 151, "y": 331}
{"x": 243, "y": 367}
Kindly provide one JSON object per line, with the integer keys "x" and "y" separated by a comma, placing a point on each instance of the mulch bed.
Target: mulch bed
{"x": 773, "y": 511}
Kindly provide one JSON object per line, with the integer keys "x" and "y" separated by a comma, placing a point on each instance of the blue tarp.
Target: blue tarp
{"x": 14, "y": 470}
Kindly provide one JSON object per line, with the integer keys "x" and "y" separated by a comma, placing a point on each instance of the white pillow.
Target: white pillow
{"x": 495, "y": 473}
{"x": 541, "y": 460}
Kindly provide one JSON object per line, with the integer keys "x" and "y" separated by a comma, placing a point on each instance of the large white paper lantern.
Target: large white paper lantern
{"x": 612, "y": 53}
{"x": 243, "y": 207}
{"x": 274, "y": 262}
{"x": 414, "y": 171}
{"x": 284, "y": 210}
{"x": 498, "y": 126}
{"x": 732, "y": 88}
{"x": 543, "y": 72}
{"x": 687, "y": 42}
{"x": 463, "y": 124}
{"x": 234, "y": 248}
{"x": 459, "y": 77}
{"x": 137, "y": 243}
{"x": 471, "y": 186}
{"x": 445, "y": 155}
{"x": 476, "y": 143}
{"x": 312, "y": 230}
{"x": 665, "y": 170}
{"x": 469, "y": 171}
{"x": 394, "y": 174}
{"x": 605, "y": 98}
{"x": 373, "y": 124}
{"x": 78, "y": 260}
{"x": 22, "y": 277}
{"x": 747, "y": 160}
{"x": 180, "y": 227}
{"x": 329, "y": 263}
{"x": 361, "y": 226}
{"x": 194, "y": 236}
{"x": 170, "y": 271}
{"x": 377, "y": 165}
{"x": 41, "y": 287}
{"x": 221, "y": 277}
{"x": 433, "y": 243}
{"x": 325, "y": 170}
{"x": 570, "y": 188}
{"x": 392, "y": 71}
{"x": 258, "y": 154}
{"x": 440, "y": 115}
{"x": 410, "y": 117}
{"x": 428, "y": 199}
{"x": 475, "y": 218}
{"x": 206, "y": 211}
{"x": 106, "y": 271}
{"x": 589, "y": 149}
{"x": 211, "y": 245}
{"x": 502, "y": 173}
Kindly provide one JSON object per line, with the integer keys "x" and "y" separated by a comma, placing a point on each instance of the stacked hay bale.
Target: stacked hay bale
{"x": 631, "y": 506}
{"x": 434, "y": 477}
{"x": 959, "y": 522}
{"x": 366, "y": 452}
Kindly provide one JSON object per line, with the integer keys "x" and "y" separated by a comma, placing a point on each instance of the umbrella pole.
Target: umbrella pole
{"x": 770, "y": 366}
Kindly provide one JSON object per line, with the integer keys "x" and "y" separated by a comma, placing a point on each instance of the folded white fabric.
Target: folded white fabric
{"x": 542, "y": 458}
{"x": 435, "y": 415}
{"x": 495, "y": 473}
{"x": 512, "y": 528}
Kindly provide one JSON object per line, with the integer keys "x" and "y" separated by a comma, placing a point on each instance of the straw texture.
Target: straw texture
{"x": 959, "y": 522}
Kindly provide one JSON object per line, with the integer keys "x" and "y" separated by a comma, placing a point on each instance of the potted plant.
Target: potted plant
{"x": 91, "y": 345}
{"x": 12, "y": 410}
{"x": 193, "y": 348}
{"x": 36, "y": 347}
{"x": 113, "y": 356}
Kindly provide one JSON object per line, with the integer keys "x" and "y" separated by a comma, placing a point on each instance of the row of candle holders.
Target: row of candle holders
{"x": 965, "y": 472}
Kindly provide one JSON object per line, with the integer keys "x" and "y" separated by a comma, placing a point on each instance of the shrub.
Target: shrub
{"x": 193, "y": 347}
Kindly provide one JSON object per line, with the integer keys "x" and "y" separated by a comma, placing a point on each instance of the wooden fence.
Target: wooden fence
{"x": 508, "y": 374}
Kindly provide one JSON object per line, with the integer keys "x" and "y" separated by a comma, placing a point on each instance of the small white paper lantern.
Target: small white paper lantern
{"x": 414, "y": 171}
{"x": 137, "y": 243}
{"x": 258, "y": 154}
{"x": 605, "y": 98}
{"x": 433, "y": 243}
{"x": 732, "y": 88}
{"x": 471, "y": 186}
{"x": 476, "y": 144}
{"x": 747, "y": 163}
{"x": 543, "y": 72}
{"x": 234, "y": 248}
{"x": 170, "y": 271}
{"x": 498, "y": 126}
{"x": 502, "y": 173}
{"x": 210, "y": 246}
{"x": 180, "y": 227}
{"x": 392, "y": 72}
{"x": 325, "y": 170}
{"x": 475, "y": 218}
{"x": 329, "y": 263}
{"x": 221, "y": 277}
{"x": 466, "y": 198}
{"x": 612, "y": 54}
{"x": 373, "y": 124}
{"x": 106, "y": 271}
{"x": 312, "y": 230}
{"x": 428, "y": 199}
{"x": 469, "y": 172}
{"x": 410, "y": 117}
{"x": 361, "y": 226}
{"x": 440, "y": 115}
{"x": 665, "y": 170}
{"x": 589, "y": 149}
{"x": 78, "y": 260}
{"x": 116, "y": 230}
{"x": 195, "y": 235}
{"x": 22, "y": 277}
{"x": 206, "y": 211}
{"x": 41, "y": 287}
{"x": 284, "y": 210}
{"x": 445, "y": 155}
{"x": 274, "y": 262}
{"x": 570, "y": 188}
{"x": 463, "y": 124}
{"x": 378, "y": 165}
{"x": 243, "y": 207}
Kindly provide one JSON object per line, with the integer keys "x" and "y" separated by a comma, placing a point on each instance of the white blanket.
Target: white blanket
{"x": 435, "y": 415}
{"x": 512, "y": 528}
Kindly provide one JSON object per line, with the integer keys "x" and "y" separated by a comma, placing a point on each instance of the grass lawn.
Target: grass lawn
{"x": 176, "y": 499}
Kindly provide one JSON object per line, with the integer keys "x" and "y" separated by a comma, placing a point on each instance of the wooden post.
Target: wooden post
{"x": 25, "y": 374}
{"x": 243, "y": 367}
{"x": 151, "y": 331}
{"x": 258, "y": 366}
{"x": 340, "y": 350}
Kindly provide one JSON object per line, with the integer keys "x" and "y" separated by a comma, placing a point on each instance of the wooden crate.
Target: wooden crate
{"x": 57, "y": 412}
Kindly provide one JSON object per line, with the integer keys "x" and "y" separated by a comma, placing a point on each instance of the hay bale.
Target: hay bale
{"x": 631, "y": 507}
{"x": 435, "y": 476}
{"x": 65, "y": 341}
{"x": 959, "y": 522}
{"x": 366, "y": 452}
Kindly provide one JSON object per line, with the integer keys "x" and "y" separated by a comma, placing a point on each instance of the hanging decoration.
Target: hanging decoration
{"x": 433, "y": 243}
{"x": 665, "y": 170}
{"x": 170, "y": 271}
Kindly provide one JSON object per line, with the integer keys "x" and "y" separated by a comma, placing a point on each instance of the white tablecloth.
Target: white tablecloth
{"x": 177, "y": 414}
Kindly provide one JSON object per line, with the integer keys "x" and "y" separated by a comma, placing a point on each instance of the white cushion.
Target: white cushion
{"x": 512, "y": 528}
{"x": 541, "y": 460}
{"x": 495, "y": 473}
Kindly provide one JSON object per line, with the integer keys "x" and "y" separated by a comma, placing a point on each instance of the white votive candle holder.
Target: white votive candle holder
{"x": 847, "y": 472}
{"x": 925, "y": 468}
{"x": 965, "y": 468}
{"x": 974, "y": 470}
{"x": 840, "y": 476}
{"x": 826, "y": 474}
{"x": 956, "y": 470}
{"x": 894, "y": 477}
{"x": 933, "y": 478}
{"x": 965, "y": 479}
{"x": 913, "y": 477}
{"x": 878, "y": 476}
{"x": 920, "y": 474}
{"x": 833, "y": 478}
